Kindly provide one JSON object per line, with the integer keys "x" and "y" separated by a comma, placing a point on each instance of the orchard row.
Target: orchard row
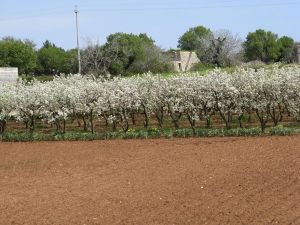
{"x": 267, "y": 93}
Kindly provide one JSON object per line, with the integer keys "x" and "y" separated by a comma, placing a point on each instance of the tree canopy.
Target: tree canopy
{"x": 218, "y": 48}
{"x": 55, "y": 60}
{"x": 192, "y": 39}
{"x": 127, "y": 53}
{"x": 267, "y": 47}
{"x": 128, "y": 48}
{"x": 18, "y": 53}
{"x": 286, "y": 49}
{"x": 123, "y": 54}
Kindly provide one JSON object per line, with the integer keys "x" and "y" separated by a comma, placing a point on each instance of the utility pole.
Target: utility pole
{"x": 298, "y": 53}
{"x": 78, "y": 48}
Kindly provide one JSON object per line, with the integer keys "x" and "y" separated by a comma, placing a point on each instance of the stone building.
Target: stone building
{"x": 8, "y": 74}
{"x": 183, "y": 60}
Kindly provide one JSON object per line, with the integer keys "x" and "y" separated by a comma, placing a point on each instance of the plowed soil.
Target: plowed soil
{"x": 177, "y": 181}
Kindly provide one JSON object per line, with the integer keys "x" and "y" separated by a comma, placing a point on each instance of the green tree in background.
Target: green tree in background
{"x": 261, "y": 45}
{"x": 286, "y": 49}
{"x": 128, "y": 48}
{"x": 193, "y": 38}
{"x": 55, "y": 60}
{"x": 71, "y": 65}
{"x": 267, "y": 47}
{"x": 18, "y": 53}
{"x": 153, "y": 59}
{"x": 129, "y": 53}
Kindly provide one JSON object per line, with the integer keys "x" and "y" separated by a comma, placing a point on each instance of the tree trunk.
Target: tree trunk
{"x": 92, "y": 121}
{"x": 241, "y": 120}
{"x": 114, "y": 126}
{"x": 263, "y": 122}
{"x": 159, "y": 116}
{"x": 64, "y": 126}
{"x": 2, "y": 126}
{"x": 146, "y": 121}
{"x": 78, "y": 122}
{"x": 192, "y": 123}
{"x": 208, "y": 122}
{"x": 227, "y": 119}
{"x": 57, "y": 125}
{"x": 32, "y": 124}
{"x": 26, "y": 124}
{"x": 125, "y": 126}
{"x": 132, "y": 115}
{"x": 85, "y": 127}
{"x": 175, "y": 120}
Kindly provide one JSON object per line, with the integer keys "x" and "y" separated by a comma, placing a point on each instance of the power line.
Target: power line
{"x": 157, "y": 7}
{"x": 191, "y": 7}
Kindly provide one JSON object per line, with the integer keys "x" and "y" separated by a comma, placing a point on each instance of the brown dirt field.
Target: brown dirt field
{"x": 178, "y": 181}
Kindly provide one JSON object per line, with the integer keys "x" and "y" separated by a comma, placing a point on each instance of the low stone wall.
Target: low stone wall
{"x": 8, "y": 74}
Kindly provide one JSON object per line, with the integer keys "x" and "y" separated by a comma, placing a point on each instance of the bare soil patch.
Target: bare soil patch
{"x": 177, "y": 181}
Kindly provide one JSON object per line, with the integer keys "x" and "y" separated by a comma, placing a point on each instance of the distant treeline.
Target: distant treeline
{"x": 130, "y": 54}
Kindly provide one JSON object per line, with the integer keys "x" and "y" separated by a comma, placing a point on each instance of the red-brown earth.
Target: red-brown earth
{"x": 177, "y": 181}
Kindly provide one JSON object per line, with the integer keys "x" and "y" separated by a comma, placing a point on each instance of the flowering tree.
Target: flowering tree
{"x": 267, "y": 93}
{"x": 225, "y": 96}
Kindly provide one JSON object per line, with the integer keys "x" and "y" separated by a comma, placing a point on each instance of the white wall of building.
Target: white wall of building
{"x": 8, "y": 74}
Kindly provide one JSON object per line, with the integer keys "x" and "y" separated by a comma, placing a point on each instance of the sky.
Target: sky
{"x": 164, "y": 20}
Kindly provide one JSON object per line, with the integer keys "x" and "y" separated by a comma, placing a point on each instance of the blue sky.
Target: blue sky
{"x": 163, "y": 20}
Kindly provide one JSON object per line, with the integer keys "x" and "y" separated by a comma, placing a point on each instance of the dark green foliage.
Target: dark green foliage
{"x": 55, "y": 60}
{"x": 18, "y": 53}
{"x": 124, "y": 54}
{"x": 192, "y": 39}
{"x": 152, "y": 60}
{"x": 286, "y": 49}
{"x": 261, "y": 45}
{"x": 128, "y": 49}
{"x": 135, "y": 54}
{"x": 265, "y": 46}
{"x": 48, "y": 60}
